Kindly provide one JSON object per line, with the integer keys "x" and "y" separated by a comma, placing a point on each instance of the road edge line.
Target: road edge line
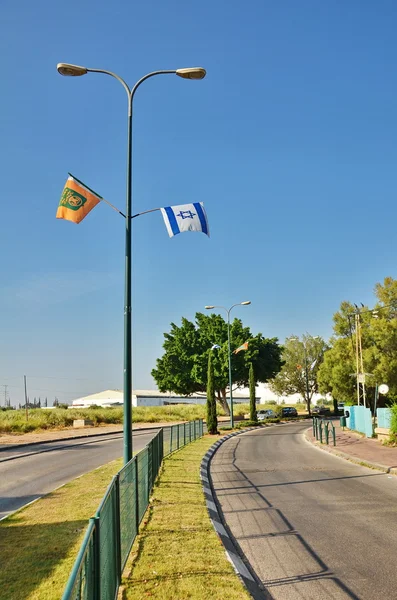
{"x": 240, "y": 564}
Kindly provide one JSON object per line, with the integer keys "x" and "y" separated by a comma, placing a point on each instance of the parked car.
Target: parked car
{"x": 289, "y": 411}
{"x": 265, "y": 414}
{"x": 321, "y": 411}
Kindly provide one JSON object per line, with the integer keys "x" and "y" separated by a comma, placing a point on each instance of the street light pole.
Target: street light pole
{"x": 228, "y": 311}
{"x": 75, "y": 71}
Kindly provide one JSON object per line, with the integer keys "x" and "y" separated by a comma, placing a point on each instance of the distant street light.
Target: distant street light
{"x": 228, "y": 310}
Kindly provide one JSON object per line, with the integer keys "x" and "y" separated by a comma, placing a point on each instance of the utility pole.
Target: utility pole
{"x": 5, "y": 395}
{"x": 26, "y": 399}
{"x": 359, "y": 360}
{"x": 357, "y": 324}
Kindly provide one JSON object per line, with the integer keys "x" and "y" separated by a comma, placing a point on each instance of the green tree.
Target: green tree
{"x": 337, "y": 374}
{"x": 302, "y": 359}
{"x": 183, "y": 367}
{"x": 212, "y": 421}
{"x": 252, "y": 385}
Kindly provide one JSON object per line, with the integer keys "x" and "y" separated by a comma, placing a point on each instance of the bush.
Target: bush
{"x": 393, "y": 422}
{"x": 243, "y": 424}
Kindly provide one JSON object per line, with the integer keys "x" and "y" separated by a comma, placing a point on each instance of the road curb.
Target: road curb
{"x": 350, "y": 458}
{"x": 241, "y": 566}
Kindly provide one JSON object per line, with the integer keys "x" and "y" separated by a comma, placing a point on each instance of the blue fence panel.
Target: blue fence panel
{"x": 383, "y": 415}
{"x": 360, "y": 419}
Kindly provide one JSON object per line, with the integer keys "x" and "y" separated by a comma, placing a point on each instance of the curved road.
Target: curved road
{"x": 312, "y": 526}
{"x": 26, "y": 473}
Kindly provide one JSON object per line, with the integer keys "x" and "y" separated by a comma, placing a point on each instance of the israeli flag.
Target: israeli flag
{"x": 185, "y": 217}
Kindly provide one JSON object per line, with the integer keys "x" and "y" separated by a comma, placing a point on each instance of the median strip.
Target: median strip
{"x": 178, "y": 554}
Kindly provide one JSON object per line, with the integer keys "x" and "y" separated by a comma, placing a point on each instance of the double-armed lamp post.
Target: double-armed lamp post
{"x": 228, "y": 310}
{"x": 77, "y": 71}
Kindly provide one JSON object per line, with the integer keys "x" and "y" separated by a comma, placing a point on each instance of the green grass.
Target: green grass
{"x": 39, "y": 544}
{"x": 178, "y": 554}
{"x": 14, "y": 421}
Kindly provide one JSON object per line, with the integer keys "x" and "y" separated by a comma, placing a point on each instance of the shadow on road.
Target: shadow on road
{"x": 276, "y": 550}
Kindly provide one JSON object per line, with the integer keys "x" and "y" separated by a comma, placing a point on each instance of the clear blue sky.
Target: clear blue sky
{"x": 290, "y": 142}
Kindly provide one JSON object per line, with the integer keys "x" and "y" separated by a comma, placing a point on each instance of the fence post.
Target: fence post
{"x": 97, "y": 559}
{"x": 150, "y": 464}
{"x": 321, "y": 431}
{"x": 184, "y": 434}
{"x": 314, "y": 425}
{"x": 177, "y": 433}
{"x": 161, "y": 449}
{"x": 326, "y": 430}
{"x": 118, "y": 529}
{"x": 334, "y": 434}
{"x": 136, "y": 495}
{"x": 172, "y": 427}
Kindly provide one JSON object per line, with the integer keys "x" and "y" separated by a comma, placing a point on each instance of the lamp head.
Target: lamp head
{"x": 192, "y": 73}
{"x": 71, "y": 70}
{"x": 245, "y": 302}
{"x": 209, "y": 307}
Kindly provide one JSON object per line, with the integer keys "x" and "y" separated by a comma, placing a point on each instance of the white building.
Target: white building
{"x": 109, "y": 398}
{"x": 264, "y": 393}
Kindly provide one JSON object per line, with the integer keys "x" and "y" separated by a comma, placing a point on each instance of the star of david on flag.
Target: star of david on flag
{"x": 185, "y": 217}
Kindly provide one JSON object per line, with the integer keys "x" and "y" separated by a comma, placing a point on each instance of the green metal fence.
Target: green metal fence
{"x": 322, "y": 429}
{"x": 96, "y": 574}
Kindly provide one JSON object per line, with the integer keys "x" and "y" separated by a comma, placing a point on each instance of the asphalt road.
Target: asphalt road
{"x": 313, "y": 526}
{"x": 40, "y": 468}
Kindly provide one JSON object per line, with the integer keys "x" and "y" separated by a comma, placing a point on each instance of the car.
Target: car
{"x": 321, "y": 411}
{"x": 265, "y": 414}
{"x": 289, "y": 411}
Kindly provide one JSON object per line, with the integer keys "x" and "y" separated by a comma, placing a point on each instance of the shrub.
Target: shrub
{"x": 393, "y": 423}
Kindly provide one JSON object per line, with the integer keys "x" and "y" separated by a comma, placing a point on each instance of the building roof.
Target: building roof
{"x": 118, "y": 395}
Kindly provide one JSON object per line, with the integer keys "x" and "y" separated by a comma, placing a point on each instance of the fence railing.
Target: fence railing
{"x": 96, "y": 574}
{"x": 322, "y": 429}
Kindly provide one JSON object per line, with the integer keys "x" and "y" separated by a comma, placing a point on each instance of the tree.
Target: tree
{"x": 212, "y": 421}
{"x": 299, "y": 372}
{"x": 338, "y": 373}
{"x": 183, "y": 367}
{"x": 252, "y": 385}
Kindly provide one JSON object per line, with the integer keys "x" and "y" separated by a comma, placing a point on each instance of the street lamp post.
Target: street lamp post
{"x": 228, "y": 310}
{"x": 76, "y": 71}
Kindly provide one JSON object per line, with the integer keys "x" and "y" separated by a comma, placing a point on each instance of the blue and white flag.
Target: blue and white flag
{"x": 185, "y": 217}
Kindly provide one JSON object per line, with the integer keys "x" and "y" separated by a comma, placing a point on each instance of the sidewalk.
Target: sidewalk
{"x": 352, "y": 446}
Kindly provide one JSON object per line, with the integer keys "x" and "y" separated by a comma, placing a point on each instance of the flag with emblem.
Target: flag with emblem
{"x": 77, "y": 200}
{"x": 185, "y": 217}
{"x": 240, "y": 348}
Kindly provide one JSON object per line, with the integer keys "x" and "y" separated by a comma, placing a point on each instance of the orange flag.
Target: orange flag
{"x": 77, "y": 201}
{"x": 242, "y": 347}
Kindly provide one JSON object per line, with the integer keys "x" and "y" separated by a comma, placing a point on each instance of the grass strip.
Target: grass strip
{"x": 178, "y": 555}
{"x": 14, "y": 421}
{"x": 39, "y": 543}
